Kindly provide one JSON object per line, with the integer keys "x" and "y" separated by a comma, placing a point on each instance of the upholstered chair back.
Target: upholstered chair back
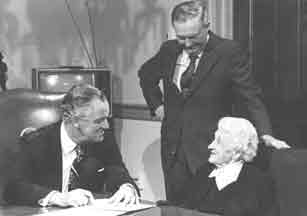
{"x": 289, "y": 170}
{"x": 19, "y": 109}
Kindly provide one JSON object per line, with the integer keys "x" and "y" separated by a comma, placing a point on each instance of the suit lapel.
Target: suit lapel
{"x": 56, "y": 153}
{"x": 175, "y": 52}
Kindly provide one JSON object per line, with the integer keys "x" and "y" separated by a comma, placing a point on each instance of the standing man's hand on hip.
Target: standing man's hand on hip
{"x": 159, "y": 112}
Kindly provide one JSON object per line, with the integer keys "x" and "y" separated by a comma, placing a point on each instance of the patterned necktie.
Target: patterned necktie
{"x": 188, "y": 73}
{"x": 74, "y": 175}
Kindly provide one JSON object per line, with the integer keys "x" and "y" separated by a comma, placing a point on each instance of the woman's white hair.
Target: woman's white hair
{"x": 245, "y": 135}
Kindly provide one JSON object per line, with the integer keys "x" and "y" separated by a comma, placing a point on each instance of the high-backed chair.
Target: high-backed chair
{"x": 19, "y": 109}
{"x": 289, "y": 170}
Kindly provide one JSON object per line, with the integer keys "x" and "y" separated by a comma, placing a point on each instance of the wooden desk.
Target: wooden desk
{"x": 156, "y": 211}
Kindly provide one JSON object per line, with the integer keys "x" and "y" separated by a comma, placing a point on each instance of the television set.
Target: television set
{"x": 61, "y": 79}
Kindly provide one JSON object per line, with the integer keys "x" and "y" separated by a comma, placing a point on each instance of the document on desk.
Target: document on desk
{"x": 104, "y": 204}
{"x": 99, "y": 207}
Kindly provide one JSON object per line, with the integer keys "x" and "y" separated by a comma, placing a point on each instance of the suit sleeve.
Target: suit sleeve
{"x": 116, "y": 171}
{"x": 248, "y": 92}
{"x": 21, "y": 189}
{"x": 5, "y": 67}
{"x": 150, "y": 75}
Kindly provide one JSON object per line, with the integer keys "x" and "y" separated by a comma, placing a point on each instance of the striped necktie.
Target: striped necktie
{"x": 74, "y": 175}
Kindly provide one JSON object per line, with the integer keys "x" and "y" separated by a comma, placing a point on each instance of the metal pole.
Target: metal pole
{"x": 92, "y": 30}
{"x": 80, "y": 34}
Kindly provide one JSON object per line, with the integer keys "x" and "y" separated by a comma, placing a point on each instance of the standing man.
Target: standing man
{"x": 3, "y": 73}
{"x": 63, "y": 163}
{"x": 202, "y": 76}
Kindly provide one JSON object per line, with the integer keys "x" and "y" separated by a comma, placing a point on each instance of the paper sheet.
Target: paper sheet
{"x": 99, "y": 207}
{"x": 87, "y": 210}
{"x": 103, "y": 204}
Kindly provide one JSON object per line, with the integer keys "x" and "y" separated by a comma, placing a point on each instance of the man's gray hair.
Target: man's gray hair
{"x": 245, "y": 134}
{"x": 79, "y": 96}
{"x": 188, "y": 10}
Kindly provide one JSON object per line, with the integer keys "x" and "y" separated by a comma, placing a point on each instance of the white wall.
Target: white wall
{"x": 41, "y": 33}
{"x": 140, "y": 146}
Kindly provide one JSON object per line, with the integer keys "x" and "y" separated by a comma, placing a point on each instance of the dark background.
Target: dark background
{"x": 275, "y": 32}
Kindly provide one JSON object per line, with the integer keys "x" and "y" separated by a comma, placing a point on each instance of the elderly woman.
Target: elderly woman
{"x": 232, "y": 186}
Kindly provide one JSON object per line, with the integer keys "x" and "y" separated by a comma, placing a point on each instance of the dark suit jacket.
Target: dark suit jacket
{"x": 222, "y": 77}
{"x": 40, "y": 167}
{"x": 251, "y": 195}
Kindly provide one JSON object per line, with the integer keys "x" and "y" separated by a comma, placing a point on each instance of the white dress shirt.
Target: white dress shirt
{"x": 68, "y": 156}
{"x": 227, "y": 174}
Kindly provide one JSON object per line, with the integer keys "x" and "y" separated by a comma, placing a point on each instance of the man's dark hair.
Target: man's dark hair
{"x": 188, "y": 10}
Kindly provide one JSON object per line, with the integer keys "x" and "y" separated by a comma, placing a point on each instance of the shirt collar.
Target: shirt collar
{"x": 67, "y": 144}
{"x": 227, "y": 174}
{"x": 186, "y": 55}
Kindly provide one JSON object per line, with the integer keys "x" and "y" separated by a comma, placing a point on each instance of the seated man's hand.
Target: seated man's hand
{"x": 126, "y": 195}
{"x": 75, "y": 198}
{"x": 159, "y": 112}
{"x": 276, "y": 143}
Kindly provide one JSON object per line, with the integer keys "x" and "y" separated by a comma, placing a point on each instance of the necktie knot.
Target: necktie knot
{"x": 193, "y": 57}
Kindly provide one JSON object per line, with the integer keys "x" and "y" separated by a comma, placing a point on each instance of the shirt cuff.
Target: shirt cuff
{"x": 132, "y": 187}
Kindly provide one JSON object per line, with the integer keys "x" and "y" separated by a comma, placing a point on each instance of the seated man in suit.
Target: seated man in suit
{"x": 64, "y": 163}
{"x": 232, "y": 186}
